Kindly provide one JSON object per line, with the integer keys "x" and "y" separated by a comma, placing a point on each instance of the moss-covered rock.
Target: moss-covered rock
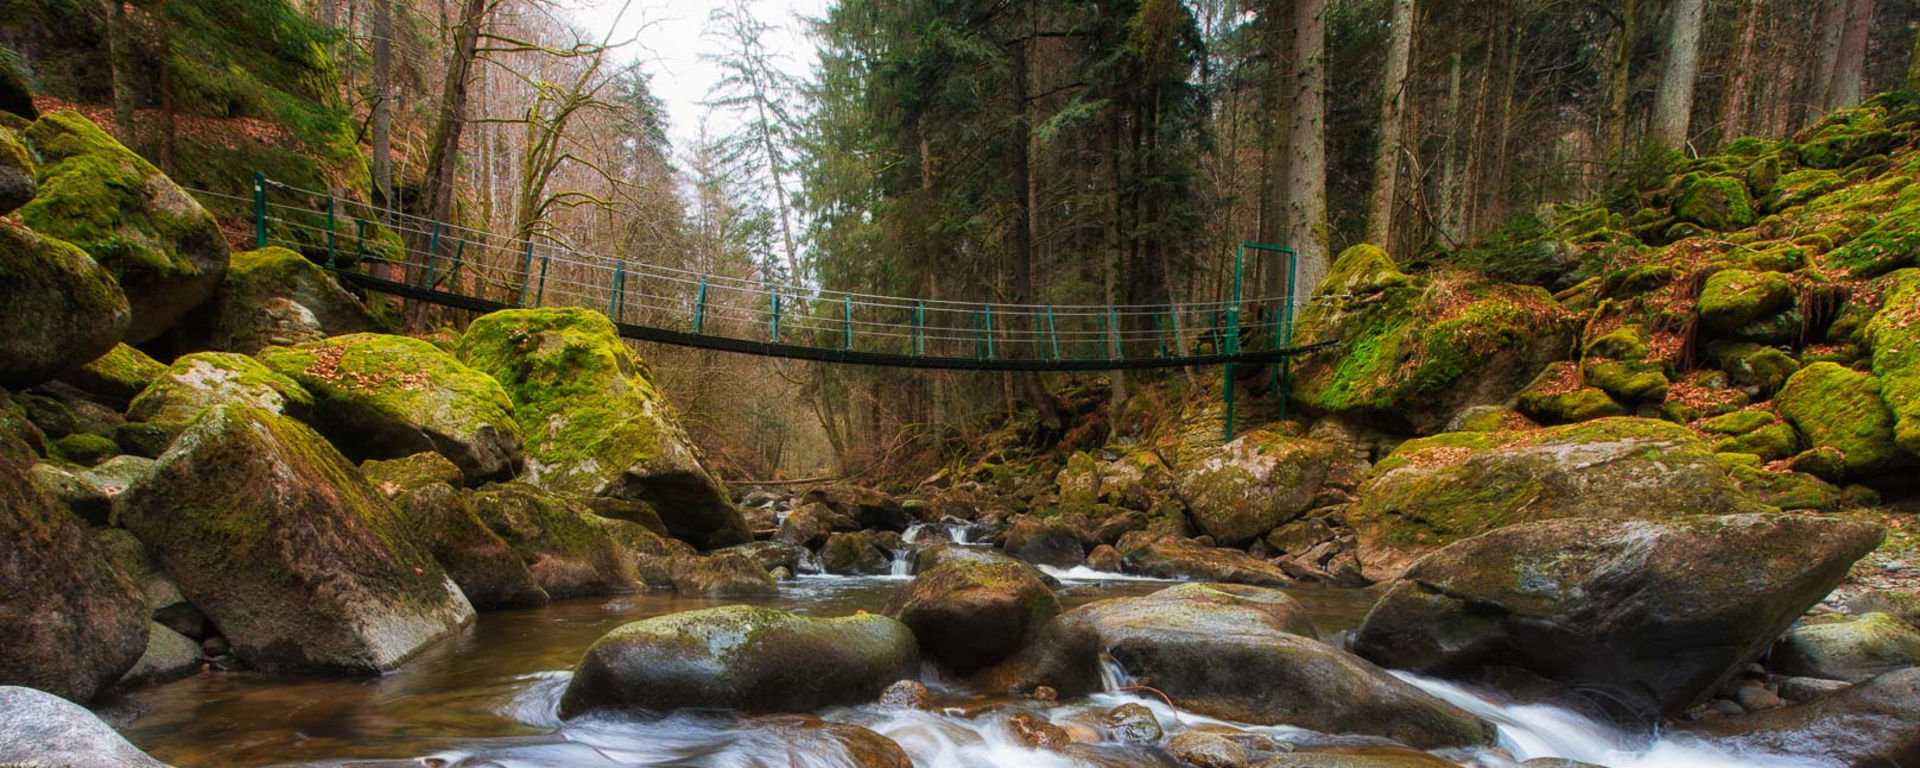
{"x": 1560, "y": 396}
{"x": 1173, "y": 557}
{"x": 567, "y": 552}
{"x": 1718, "y": 203}
{"x": 968, "y": 614}
{"x": 62, "y": 309}
{"x": 1256, "y": 483}
{"x": 1844, "y": 137}
{"x": 1735, "y": 298}
{"x": 1852, "y": 650}
{"x": 385, "y": 397}
{"x": 1842, "y": 409}
{"x": 1895, "y": 332}
{"x": 85, "y": 449}
{"x": 1413, "y": 351}
{"x": 394, "y": 476}
{"x": 17, "y": 184}
{"x": 283, "y": 544}
{"x": 1772, "y": 442}
{"x": 487, "y": 570}
{"x": 1800, "y": 187}
{"x": 275, "y": 297}
{"x": 1042, "y": 540}
{"x": 71, "y": 622}
{"x": 741, "y": 657}
{"x": 728, "y": 573}
{"x": 1787, "y": 490}
{"x": 593, "y": 421}
{"x": 1434, "y": 491}
{"x": 1757, "y": 369}
{"x": 1656, "y": 614}
{"x": 854, "y": 554}
{"x": 116, "y": 377}
{"x": 16, "y": 88}
{"x": 166, "y": 252}
{"x": 202, "y": 380}
{"x": 1739, "y": 422}
{"x": 1893, "y": 242}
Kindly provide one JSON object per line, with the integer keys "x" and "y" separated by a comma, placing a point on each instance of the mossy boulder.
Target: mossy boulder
{"x": 1895, "y": 332}
{"x": 1718, "y": 203}
{"x": 202, "y": 380}
{"x": 116, "y": 377}
{"x": 386, "y": 397}
{"x": 275, "y": 297}
{"x": 1772, "y": 442}
{"x": 567, "y": 552}
{"x": 1415, "y": 351}
{"x": 1800, "y": 187}
{"x": 62, "y": 309}
{"x": 724, "y": 574}
{"x": 1657, "y": 614}
{"x": 394, "y": 476}
{"x": 166, "y": 252}
{"x": 1250, "y": 655}
{"x": 72, "y": 622}
{"x": 1559, "y": 395}
{"x": 854, "y": 554}
{"x": 1044, "y": 541}
{"x": 1735, "y": 298}
{"x": 1261, "y": 480}
{"x": 969, "y": 614}
{"x": 1842, "y": 409}
{"x": 487, "y": 569}
{"x": 1173, "y": 557}
{"x": 16, "y": 87}
{"x": 85, "y": 449}
{"x": 741, "y": 657}
{"x": 1851, "y": 649}
{"x": 1434, "y": 491}
{"x": 594, "y": 422}
{"x": 1892, "y": 242}
{"x": 17, "y": 184}
{"x": 285, "y": 546}
{"x": 1757, "y": 369}
{"x": 1787, "y": 490}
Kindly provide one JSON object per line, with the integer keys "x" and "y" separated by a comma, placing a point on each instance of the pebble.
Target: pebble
{"x": 1753, "y": 696}
{"x": 906, "y": 695}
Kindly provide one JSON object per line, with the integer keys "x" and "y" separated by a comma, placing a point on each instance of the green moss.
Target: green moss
{"x": 1638, "y": 279}
{"x": 1629, "y": 380}
{"x": 1787, "y": 490}
{"x": 118, "y": 376}
{"x": 1718, "y": 203}
{"x": 1895, "y": 334}
{"x": 1772, "y": 442}
{"x": 1844, "y": 137}
{"x": 1892, "y": 243}
{"x": 205, "y": 379}
{"x": 1739, "y": 422}
{"x": 85, "y": 449}
{"x": 1736, "y": 298}
{"x": 1760, "y": 368}
{"x": 60, "y": 308}
{"x": 1841, "y": 409}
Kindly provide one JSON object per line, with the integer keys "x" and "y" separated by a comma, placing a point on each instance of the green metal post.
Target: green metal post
{"x": 616, "y": 302}
{"x": 846, "y": 323}
{"x": 459, "y": 255}
{"x": 919, "y": 328}
{"x": 541, "y": 297}
{"x": 330, "y": 253}
{"x": 1113, "y": 329}
{"x": 1179, "y": 340}
{"x": 1053, "y": 333}
{"x": 1286, "y": 363}
{"x": 433, "y": 254}
{"x": 526, "y": 273}
{"x": 989, "y": 317}
{"x": 259, "y": 210}
{"x": 776, "y": 314}
{"x": 360, "y": 239}
{"x": 1232, "y": 342}
{"x": 700, "y": 308}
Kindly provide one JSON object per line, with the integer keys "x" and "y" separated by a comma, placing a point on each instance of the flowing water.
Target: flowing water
{"x": 489, "y": 698}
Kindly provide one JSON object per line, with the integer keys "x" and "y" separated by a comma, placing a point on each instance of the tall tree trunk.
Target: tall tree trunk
{"x": 1844, "y": 90}
{"x": 1024, "y": 233}
{"x": 1673, "y": 103}
{"x": 329, "y": 14}
{"x": 1733, "y": 112}
{"x": 1449, "y": 218}
{"x": 1832, "y": 27}
{"x": 1625, "y": 36}
{"x": 1386, "y": 156}
{"x": 1307, "y": 230}
{"x": 120, "y": 67}
{"x": 383, "y": 102}
{"x": 168, "y": 133}
{"x": 1274, "y": 145}
{"x": 443, "y": 154}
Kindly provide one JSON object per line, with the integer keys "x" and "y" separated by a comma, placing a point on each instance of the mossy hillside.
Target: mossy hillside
{"x": 165, "y": 251}
{"x": 202, "y": 380}
{"x": 61, "y": 309}
{"x": 1895, "y": 334}
{"x": 1842, "y": 409}
{"x": 386, "y": 397}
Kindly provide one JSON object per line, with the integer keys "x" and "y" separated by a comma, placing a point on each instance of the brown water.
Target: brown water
{"x": 486, "y": 696}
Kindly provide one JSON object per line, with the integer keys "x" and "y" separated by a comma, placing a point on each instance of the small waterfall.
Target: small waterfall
{"x": 961, "y": 533}
{"x": 809, "y": 562}
{"x": 1113, "y": 677}
{"x": 902, "y": 565}
{"x": 913, "y": 533}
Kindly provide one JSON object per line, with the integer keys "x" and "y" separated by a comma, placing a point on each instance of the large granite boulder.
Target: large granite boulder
{"x": 487, "y": 569}
{"x": 202, "y": 380}
{"x": 594, "y": 422}
{"x": 968, "y": 614}
{"x": 40, "y": 730}
{"x": 1416, "y": 351}
{"x": 1434, "y": 491}
{"x": 1261, "y": 480}
{"x": 117, "y": 377}
{"x": 1895, "y": 333}
{"x": 741, "y": 657}
{"x": 286, "y": 547}
{"x": 1173, "y": 557}
{"x": 62, "y": 309}
{"x": 275, "y": 297}
{"x": 387, "y": 397}
{"x": 1852, "y": 649}
{"x": 568, "y": 554}
{"x": 1842, "y": 409}
{"x": 1657, "y": 614}
{"x": 71, "y": 622}
{"x": 1870, "y": 725}
{"x": 164, "y": 250}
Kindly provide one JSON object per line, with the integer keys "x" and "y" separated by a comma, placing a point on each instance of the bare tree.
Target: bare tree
{"x": 1393, "y": 105}
{"x": 1673, "y": 102}
{"x": 753, "y": 86}
{"x": 382, "y": 118}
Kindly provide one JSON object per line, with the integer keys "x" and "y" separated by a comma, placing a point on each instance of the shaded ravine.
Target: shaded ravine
{"x": 490, "y": 697}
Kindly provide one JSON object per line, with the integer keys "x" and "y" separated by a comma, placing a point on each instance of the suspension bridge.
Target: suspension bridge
{"x": 407, "y": 256}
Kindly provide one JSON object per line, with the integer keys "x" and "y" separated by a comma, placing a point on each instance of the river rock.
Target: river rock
{"x": 741, "y": 657}
{"x": 169, "y": 656}
{"x": 867, "y": 507}
{"x": 1044, "y": 541}
{"x": 774, "y": 554}
{"x": 1658, "y": 614}
{"x": 595, "y": 423}
{"x": 1852, "y": 650}
{"x": 71, "y": 622}
{"x": 1258, "y": 482}
{"x": 1172, "y": 557}
{"x": 807, "y": 526}
{"x": 280, "y": 540}
{"x": 1869, "y": 725}
{"x": 116, "y": 377}
{"x": 165, "y": 251}
{"x": 40, "y": 730}
{"x": 854, "y": 554}
{"x": 567, "y": 553}
{"x": 275, "y": 297}
{"x": 967, "y": 615}
{"x": 724, "y": 574}
{"x": 202, "y": 380}
{"x": 1434, "y": 491}
{"x": 487, "y": 570}
{"x": 1380, "y": 758}
{"x": 386, "y": 397}
{"x": 63, "y": 310}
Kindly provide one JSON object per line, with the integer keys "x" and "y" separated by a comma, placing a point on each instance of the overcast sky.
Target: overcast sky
{"x": 672, "y": 38}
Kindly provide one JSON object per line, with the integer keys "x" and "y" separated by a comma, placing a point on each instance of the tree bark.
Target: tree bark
{"x": 1626, "y": 35}
{"x": 1386, "y": 156}
{"x": 1844, "y": 90}
{"x": 383, "y": 101}
{"x": 168, "y": 132}
{"x": 1913, "y": 66}
{"x": 1832, "y": 27}
{"x": 443, "y": 157}
{"x": 1022, "y": 234}
{"x": 1450, "y": 153}
{"x": 1733, "y": 112}
{"x": 1673, "y": 103}
{"x": 120, "y": 67}
{"x": 1275, "y": 148}
{"x": 1307, "y": 230}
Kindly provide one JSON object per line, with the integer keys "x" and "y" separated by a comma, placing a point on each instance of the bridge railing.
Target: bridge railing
{"x": 459, "y": 261}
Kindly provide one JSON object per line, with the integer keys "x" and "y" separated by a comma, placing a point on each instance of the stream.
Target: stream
{"x": 489, "y": 698}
